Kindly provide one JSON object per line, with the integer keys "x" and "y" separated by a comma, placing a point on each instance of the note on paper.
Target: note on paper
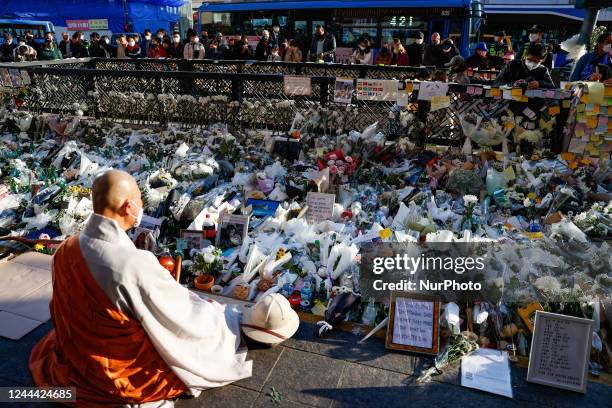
{"x": 487, "y": 370}
{"x": 596, "y": 92}
{"x": 517, "y": 91}
{"x": 413, "y": 323}
{"x": 377, "y": 89}
{"x": 428, "y": 90}
{"x": 439, "y": 102}
{"x": 320, "y": 206}
{"x": 297, "y": 85}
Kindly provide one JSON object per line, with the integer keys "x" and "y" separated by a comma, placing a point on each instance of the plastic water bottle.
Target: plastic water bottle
{"x": 369, "y": 314}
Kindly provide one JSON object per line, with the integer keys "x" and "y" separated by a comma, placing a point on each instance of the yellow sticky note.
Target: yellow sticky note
{"x": 385, "y": 233}
{"x": 409, "y": 87}
{"x": 517, "y": 92}
{"x": 608, "y": 91}
{"x": 523, "y": 99}
{"x": 580, "y": 107}
{"x": 596, "y": 92}
{"x": 554, "y": 110}
{"x": 439, "y": 102}
{"x": 591, "y": 122}
{"x": 595, "y": 138}
{"x": 584, "y": 99}
{"x": 497, "y": 92}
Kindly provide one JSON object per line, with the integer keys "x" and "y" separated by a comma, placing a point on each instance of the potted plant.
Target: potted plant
{"x": 205, "y": 263}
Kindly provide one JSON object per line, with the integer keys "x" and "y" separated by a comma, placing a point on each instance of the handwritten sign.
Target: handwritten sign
{"x": 560, "y": 350}
{"x": 377, "y": 89}
{"x": 413, "y": 323}
{"x": 297, "y": 85}
{"x": 428, "y": 90}
{"x": 320, "y": 206}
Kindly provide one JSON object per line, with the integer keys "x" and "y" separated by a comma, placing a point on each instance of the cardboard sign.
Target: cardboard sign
{"x": 377, "y": 89}
{"x": 297, "y": 85}
{"x": 320, "y": 206}
{"x": 413, "y": 323}
{"x": 560, "y": 350}
{"x": 343, "y": 90}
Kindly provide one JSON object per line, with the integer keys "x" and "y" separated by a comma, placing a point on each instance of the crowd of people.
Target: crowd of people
{"x": 442, "y": 54}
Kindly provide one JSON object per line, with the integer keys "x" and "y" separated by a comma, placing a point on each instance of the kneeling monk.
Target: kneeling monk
{"x": 125, "y": 332}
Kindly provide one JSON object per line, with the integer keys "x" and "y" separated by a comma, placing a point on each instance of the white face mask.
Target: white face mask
{"x": 105, "y": 41}
{"x": 419, "y": 41}
{"x": 139, "y": 216}
{"x": 131, "y": 43}
{"x": 176, "y": 39}
{"x": 82, "y": 37}
{"x": 607, "y": 48}
{"x": 496, "y": 38}
{"x": 147, "y": 37}
{"x": 531, "y": 65}
{"x": 195, "y": 40}
{"x": 533, "y": 37}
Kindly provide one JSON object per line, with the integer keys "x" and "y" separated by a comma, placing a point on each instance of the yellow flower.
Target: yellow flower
{"x": 39, "y": 247}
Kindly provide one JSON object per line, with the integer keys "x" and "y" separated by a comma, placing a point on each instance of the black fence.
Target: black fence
{"x": 142, "y": 95}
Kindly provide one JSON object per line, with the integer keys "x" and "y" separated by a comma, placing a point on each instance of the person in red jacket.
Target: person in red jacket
{"x": 400, "y": 57}
{"x": 156, "y": 50}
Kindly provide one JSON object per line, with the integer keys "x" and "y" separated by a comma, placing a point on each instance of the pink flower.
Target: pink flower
{"x": 333, "y": 156}
{"x": 330, "y": 163}
{"x": 333, "y": 169}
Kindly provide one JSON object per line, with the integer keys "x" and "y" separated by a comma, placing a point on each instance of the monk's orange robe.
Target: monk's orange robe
{"x": 94, "y": 347}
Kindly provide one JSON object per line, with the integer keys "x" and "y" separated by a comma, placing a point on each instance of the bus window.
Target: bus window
{"x": 401, "y": 26}
{"x": 454, "y": 32}
{"x": 353, "y": 29}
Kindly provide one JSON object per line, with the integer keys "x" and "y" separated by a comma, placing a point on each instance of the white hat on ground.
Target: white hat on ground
{"x": 271, "y": 320}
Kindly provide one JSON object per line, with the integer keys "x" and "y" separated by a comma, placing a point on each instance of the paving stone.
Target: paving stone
{"x": 344, "y": 346}
{"x": 15, "y": 365}
{"x": 305, "y": 377}
{"x": 264, "y": 360}
{"x": 229, "y": 396}
{"x": 264, "y": 401}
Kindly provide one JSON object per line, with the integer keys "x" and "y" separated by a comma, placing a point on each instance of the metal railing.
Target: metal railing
{"x": 254, "y": 100}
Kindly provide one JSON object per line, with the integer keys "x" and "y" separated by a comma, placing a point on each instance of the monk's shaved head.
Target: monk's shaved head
{"x": 111, "y": 189}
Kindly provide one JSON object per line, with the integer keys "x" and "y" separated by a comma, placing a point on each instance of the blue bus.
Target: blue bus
{"x": 18, "y": 27}
{"x": 380, "y": 20}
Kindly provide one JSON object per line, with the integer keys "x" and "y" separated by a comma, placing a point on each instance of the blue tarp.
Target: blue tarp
{"x": 141, "y": 13}
{"x": 329, "y": 4}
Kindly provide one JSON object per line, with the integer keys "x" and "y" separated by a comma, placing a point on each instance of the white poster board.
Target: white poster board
{"x": 487, "y": 370}
{"x": 560, "y": 350}
{"x": 413, "y": 323}
{"x": 377, "y": 89}
{"x": 297, "y": 85}
{"x": 428, "y": 90}
{"x": 320, "y": 206}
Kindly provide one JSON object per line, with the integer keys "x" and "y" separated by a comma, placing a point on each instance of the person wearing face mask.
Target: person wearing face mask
{"x": 479, "y": 59}
{"x": 176, "y": 48}
{"x": 449, "y": 50}
{"x": 145, "y": 43}
{"x": 416, "y": 50}
{"x": 194, "y": 48}
{"x": 204, "y": 38}
{"x": 497, "y": 50}
{"x": 121, "y": 46}
{"x": 29, "y": 39}
{"x": 64, "y": 45}
{"x": 160, "y": 34}
{"x": 536, "y": 36}
{"x": 156, "y": 50}
{"x": 7, "y": 51}
{"x": 363, "y": 54}
{"x": 432, "y": 55}
{"x": 125, "y": 332}
{"x": 384, "y": 56}
{"x": 94, "y": 40}
{"x": 323, "y": 47}
{"x": 78, "y": 49}
{"x": 49, "y": 51}
{"x": 104, "y": 48}
{"x": 132, "y": 50}
{"x": 264, "y": 47}
{"x": 585, "y": 66}
{"x": 530, "y": 72}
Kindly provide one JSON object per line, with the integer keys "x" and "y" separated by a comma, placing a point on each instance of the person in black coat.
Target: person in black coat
{"x": 103, "y": 49}
{"x": 7, "y": 52}
{"x": 529, "y": 72}
{"x": 264, "y": 47}
{"x": 416, "y": 49}
{"x": 77, "y": 46}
